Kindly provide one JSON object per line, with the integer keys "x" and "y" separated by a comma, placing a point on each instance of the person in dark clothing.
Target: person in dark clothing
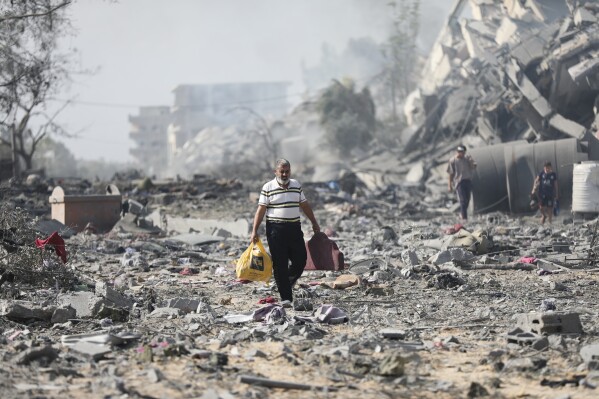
{"x": 460, "y": 170}
{"x": 546, "y": 189}
{"x": 281, "y": 200}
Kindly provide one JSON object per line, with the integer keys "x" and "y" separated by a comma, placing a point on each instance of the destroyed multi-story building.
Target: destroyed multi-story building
{"x": 512, "y": 70}
{"x": 160, "y": 132}
{"x": 148, "y": 131}
{"x": 199, "y": 106}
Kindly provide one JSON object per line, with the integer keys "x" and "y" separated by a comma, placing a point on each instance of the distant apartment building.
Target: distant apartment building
{"x": 225, "y": 104}
{"x": 148, "y": 131}
{"x": 160, "y": 131}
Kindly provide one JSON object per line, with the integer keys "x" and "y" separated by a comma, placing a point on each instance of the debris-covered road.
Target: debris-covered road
{"x": 424, "y": 308}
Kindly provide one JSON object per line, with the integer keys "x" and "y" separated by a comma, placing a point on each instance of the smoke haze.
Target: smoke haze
{"x": 142, "y": 49}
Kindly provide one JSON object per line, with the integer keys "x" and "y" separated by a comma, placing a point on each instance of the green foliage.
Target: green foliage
{"x": 348, "y": 117}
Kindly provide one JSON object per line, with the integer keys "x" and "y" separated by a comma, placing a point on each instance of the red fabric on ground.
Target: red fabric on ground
{"x": 57, "y": 242}
{"x": 268, "y": 299}
{"x": 454, "y": 229}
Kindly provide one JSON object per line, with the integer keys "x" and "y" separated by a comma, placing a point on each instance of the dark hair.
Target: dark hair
{"x": 548, "y": 163}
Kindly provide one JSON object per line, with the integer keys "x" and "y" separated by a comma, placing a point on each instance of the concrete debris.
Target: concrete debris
{"x": 550, "y": 322}
{"x": 416, "y": 298}
{"x": 511, "y": 80}
{"x": 408, "y": 301}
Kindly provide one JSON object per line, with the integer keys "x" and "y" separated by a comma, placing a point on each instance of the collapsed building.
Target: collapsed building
{"x": 519, "y": 72}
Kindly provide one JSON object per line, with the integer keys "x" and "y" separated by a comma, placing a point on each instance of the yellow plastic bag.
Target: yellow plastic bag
{"x": 254, "y": 264}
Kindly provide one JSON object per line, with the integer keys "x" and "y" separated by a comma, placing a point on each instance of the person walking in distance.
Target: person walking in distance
{"x": 460, "y": 169}
{"x": 281, "y": 200}
{"x": 546, "y": 189}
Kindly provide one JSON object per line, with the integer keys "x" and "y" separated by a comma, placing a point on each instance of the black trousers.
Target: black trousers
{"x": 464, "y": 190}
{"x": 286, "y": 243}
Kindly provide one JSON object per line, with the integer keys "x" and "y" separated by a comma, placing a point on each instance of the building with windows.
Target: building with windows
{"x": 160, "y": 132}
{"x": 148, "y": 131}
{"x": 224, "y": 104}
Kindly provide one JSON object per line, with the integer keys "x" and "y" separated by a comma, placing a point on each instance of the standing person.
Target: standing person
{"x": 547, "y": 191}
{"x": 460, "y": 169}
{"x": 281, "y": 200}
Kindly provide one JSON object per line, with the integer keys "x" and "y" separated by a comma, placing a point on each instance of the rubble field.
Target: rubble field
{"x": 500, "y": 307}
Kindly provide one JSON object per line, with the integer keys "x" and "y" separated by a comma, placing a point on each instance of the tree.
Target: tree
{"x": 31, "y": 69}
{"x": 261, "y": 128}
{"x": 400, "y": 52}
{"x": 348, "y": 117}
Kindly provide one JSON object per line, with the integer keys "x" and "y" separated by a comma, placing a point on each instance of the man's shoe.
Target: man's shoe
{"x": 285, "y": 304}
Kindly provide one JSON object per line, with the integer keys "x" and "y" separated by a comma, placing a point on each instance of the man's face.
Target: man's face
{"x": 460, "y": 154}
{"x": 283, "y": 174}
{"x": 548, "y": 169}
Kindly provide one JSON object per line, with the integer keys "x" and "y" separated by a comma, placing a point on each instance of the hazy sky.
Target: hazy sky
{"x": 142, "y": 49}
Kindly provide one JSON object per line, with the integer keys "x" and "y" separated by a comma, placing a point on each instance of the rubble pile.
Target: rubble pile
{"x": 518, "y": 84}
{"x": 512, "y": 71}
{"x": 423, "y": 307}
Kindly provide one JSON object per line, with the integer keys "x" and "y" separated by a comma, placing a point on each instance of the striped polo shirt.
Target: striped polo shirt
{"x": 282, "y": 204}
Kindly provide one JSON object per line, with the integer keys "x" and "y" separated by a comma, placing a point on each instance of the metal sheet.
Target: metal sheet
{"x": 489, "y": 188}
{"x": 506, "y": 172}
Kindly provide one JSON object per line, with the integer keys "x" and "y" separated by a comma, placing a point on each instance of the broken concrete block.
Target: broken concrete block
{"x": 582, "y": 16}
{"x": 393, "y": 333}
{"x": 64, "y": 314}
{"x": 392, "y": 365}
{"x": 451, "y": 254}
{"x": 541, "y": 344}
{"x": 550, "y": 322}
{"x": 105, "y": 291}
{"x": 410, "y": 257}
{"x": 24, "y": 310}
{"x": 44, "y": 354}
{"x": 525, "y": 364}
{"x": 91, "y": 350}
{"x": 520, "y": 337}
{"x": 590, "y": 356}
{"x": 116, "y": 314}
{"x": 165, "y": 313}
{"x": 187, "y": 305}
{"x": 85, "y": 303}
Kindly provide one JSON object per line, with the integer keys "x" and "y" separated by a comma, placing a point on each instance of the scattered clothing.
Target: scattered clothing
{"x": 57, "y": 242}
{"x": 268, "y": 299}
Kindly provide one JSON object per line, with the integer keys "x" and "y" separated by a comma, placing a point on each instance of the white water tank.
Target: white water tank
{"x": 585, "y": 187}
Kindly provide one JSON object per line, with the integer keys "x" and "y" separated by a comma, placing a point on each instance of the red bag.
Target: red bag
{"x": 323, "y": 254}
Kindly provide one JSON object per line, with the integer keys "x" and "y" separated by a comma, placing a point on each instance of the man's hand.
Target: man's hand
{"x": 449, "y": 189}
{"x": 254, "y": 238}
{"x": 315, "y": 228}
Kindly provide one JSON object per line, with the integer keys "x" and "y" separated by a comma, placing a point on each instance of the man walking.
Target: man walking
{"x": 460, "y": 169}
{"x": 547, "y": 191}
{"x": 281, "y": 200}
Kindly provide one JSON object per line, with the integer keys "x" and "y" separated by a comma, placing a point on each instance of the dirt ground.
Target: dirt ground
{"x": 453, "y": 343}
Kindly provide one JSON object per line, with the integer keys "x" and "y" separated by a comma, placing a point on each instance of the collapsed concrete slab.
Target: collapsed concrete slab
{"x": 532, "y": 72}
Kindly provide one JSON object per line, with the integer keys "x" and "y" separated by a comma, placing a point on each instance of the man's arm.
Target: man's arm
{"x": 472, "y": 162}
{"x": 257, "y": 221}
{"x": 535, "y": 185}
{"x": 310, "y": 215}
